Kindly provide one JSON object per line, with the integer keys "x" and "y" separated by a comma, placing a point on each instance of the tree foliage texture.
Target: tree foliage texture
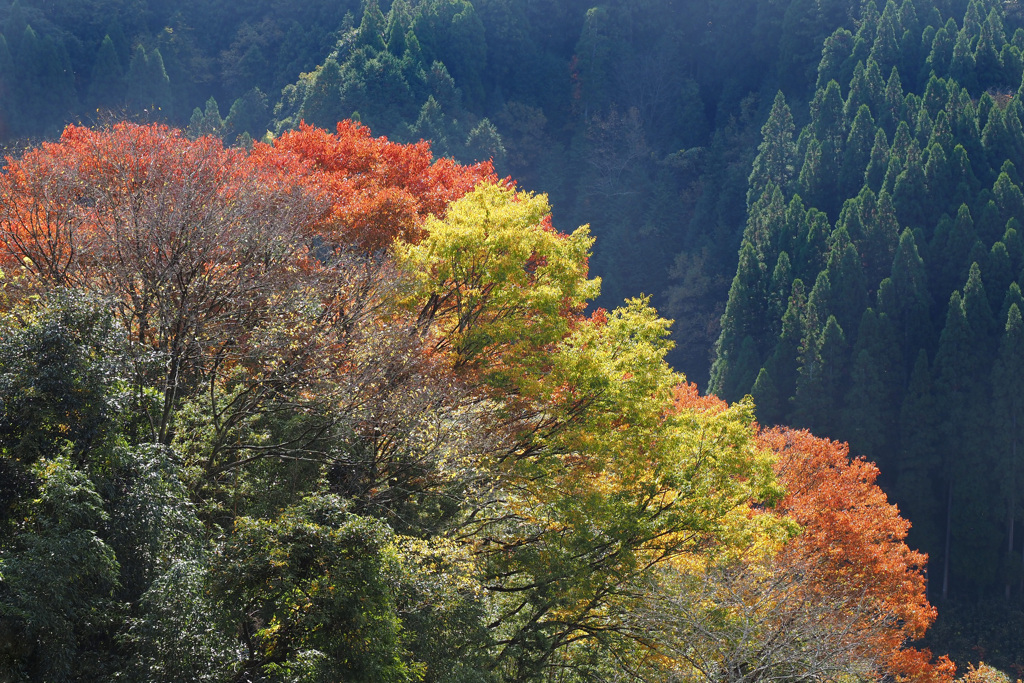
{"x": 328, "y": 409}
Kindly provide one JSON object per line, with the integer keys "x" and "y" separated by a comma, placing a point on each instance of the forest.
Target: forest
{"x": 511, "y": 340}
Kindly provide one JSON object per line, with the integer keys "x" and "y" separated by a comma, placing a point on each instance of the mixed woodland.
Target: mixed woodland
{"x": 308, "y": 374}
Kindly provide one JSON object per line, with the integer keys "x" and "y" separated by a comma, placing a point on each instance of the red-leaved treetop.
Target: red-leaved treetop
{"x": 198, "y": 246}
{"x": 377, "y": 190}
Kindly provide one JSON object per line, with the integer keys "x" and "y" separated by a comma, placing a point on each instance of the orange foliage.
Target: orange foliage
{"x": 687, "y": 397}
{"x": 852, "y": 544}
{"x": 131, "y": 195}
{"x": 377, "y": 190}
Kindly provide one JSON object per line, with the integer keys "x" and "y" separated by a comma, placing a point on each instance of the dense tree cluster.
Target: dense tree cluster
{"x": 877, "y": 295}
{"x": 857, "y": 165}
{"x": 257, "y": 423}
{"x": 640, "y": 118}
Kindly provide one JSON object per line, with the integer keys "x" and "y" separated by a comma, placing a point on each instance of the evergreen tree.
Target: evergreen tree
{"x": 1008, "y": 423}
{"x": 770, "y": 406}
{"x": 988, "y": 65}
{"x": 998, "y": 139}
{"x": 836, "y": 58}
{"x": 857, "y": 155}
{"x": 951, "y": 250}
{"x": 885, "y": 49}
{"x": 1009, "y": 199}
{"x": 740, "y": 325}
{"x": 979, "y": 313}
{"x": 1013, "y": 296}
{"x": 910, "y": 191}
{"x": 878, "y": 163}
{"x": 206, "y": 121}
{"x": 1014, "y": 244}
{"x": 877, "y": 244}
{"x": 813, "y": 248}
{"x": 961, "y": 64}
{"x": 322, "y": 105}
{"x": 868, "y": 417}
{"x": 901, "y": 144}
{"x": 821, "y": 378}
{"x": 371, "y": 28}
{"x": 249, "y": 114}
{"x": 938, "y": 183}
{"x": 998, "y": 273}
{"x": 965, "y": 181}
{"x": 908, "y": 302}
{"x": 106, "y": 87}
{"x": 941, "y": 55}
{"x": 775, "y": 160}
{"x": 917, "y": 468}
{"x": 846, "y": 275}
{"x": 781, "y": 288}
{"x": 942, "y": 133}
{"x": 399, "y": 23}
{"x": 892, "y": 111}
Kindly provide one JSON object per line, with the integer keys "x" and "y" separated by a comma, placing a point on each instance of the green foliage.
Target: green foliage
{"x": 312, "y": 594}
{"x": 58, "y": 579}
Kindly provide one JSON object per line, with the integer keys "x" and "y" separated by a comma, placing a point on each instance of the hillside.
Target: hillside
{"x": 825, "y": 198}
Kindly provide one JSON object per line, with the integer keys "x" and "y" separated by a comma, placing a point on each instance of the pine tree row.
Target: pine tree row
{"x": 901, "y": 195}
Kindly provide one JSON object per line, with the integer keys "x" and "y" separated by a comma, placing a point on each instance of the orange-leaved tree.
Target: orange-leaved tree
{"x": 852, "y": 549}
{"x": 843, "y": 596}
{"x": 377, "y": 190}
{"x": 217, "y": 258}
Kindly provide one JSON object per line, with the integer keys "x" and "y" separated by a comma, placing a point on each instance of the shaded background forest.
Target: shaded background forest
{"x": 892, "y": 156}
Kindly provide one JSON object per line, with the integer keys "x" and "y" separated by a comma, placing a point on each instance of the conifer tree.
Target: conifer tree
{"x": 954, "y": 370}
{"x": 740, "y": 325}
{"x": 878, "y": 163}
{"x": 917, "y": 467}
{"x": 371, "y": 28}
{"x": 941, "y": 55}
{"x": 783, "y": 364}
{"x": 106, "y": 87}
{"x": 322, "y": 105}
{"x": 898, "y": 152}
{"x": 857, "y": 155}
{"x": 778, "y": 296}
{"x": 399, "y": 22}
{"x": 938, "y": 183}
{"x": 249, "y": 115}
{"x": 961, "y": 64}
{"x": 998, "y": 273}
{"x": 1008, "y": 421}
{"x": 892, "y": 111}
{"x": 965, "y": 181}
{"x": 885, "y": 49}
{"x": 775, "y": 160}
{"x": 1013, "y": 296}
{"x": 868, "y": 417}
{"x": 942, "y": 134}
{"x": 846, "y": 275}
{"x": 1014, "y": 244}
{"x": 836, "y": 58}
{"x": 910, "y": 303}
{"x": 979, "y": 314}
{"x": 821, "y": 378}
{"x": 951, "y": 250}
{"x": 910, "y": 191}
{"x": 770, "y": 406}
